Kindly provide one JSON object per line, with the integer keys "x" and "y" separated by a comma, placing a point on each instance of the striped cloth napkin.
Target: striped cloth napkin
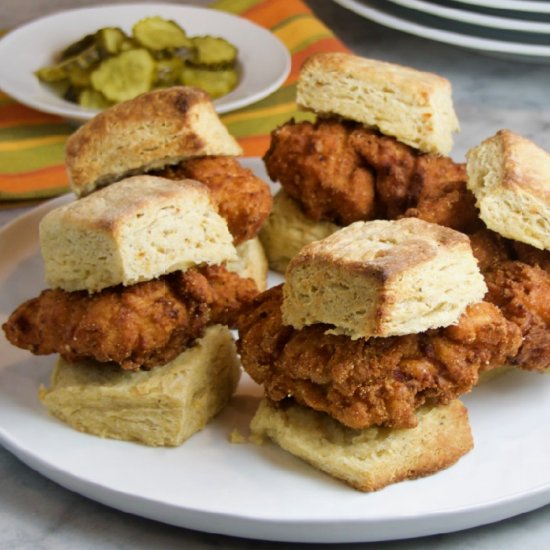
{"x": 32, "y": 143}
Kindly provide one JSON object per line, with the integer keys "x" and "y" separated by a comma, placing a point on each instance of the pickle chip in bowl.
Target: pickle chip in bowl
{"x": 77, "y": 62}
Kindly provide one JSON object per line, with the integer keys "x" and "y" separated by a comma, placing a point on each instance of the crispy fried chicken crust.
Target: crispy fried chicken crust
{"x": 489, "y": 249}
{"x": 318, "y": 166}
{"x": 341, "y": 172}
{"x": 532, "y": 256}
{"x": 379, "y": 381}
{"x": 518, "y": 279}
{"x": 243, "y": 199}
{"x": 522, "y": 292}
{"x": 139, "y": 326}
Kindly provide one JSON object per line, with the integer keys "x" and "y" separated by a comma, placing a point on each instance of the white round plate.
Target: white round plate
{"x": 209, "y": 484}
{"x": 474, "y": 18}
{"x": 264, "y": 60}
{"x": 512, "y": 5}
{"x": 521, "y": 51}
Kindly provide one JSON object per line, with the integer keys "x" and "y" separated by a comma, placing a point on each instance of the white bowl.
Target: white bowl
{"x": 264, "y": 60}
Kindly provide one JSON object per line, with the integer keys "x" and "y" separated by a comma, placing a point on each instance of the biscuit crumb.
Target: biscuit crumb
{"x": 256, "y": 439}
{"x": 237, "y": 437}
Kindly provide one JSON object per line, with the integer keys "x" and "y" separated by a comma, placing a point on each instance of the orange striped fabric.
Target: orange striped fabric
{"x": 32, "y": 143}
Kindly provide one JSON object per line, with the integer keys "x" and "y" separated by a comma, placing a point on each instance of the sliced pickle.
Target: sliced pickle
{"x": 71, "y": 94}
{"x": 92, "y": 99}
{"x": 129, "y": 44}
{"x": 156, "y": 33}
{"x": 168, "y": 71}
{"x": 110, "y": 40}
{"x": 125, "y": 76}
{"x": 77, "y": 47}
{"x": 215, "y": 83}
{"x": 87, "y": 58}
{"x": 53, "y": 73}
{"x": 60, "y": 87}
{"x": 109, "y": 66}
{"x": 73, "y": 68}
{"x": 79, "y": 77}
{"x": 212, "y": 51}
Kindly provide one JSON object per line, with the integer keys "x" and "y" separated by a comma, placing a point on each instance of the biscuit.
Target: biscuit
{"x": 510, "y": 178}
{"x": 287, "y": 229}
{"x": 134, "y": 230}
{"x": 383, "y": 278}
{"x": 160, "y": 407}
{"x": 413, "y": 106}
{"x": 251, "y": 263}
{"x": 369, "y": 459}
{"x": 155, "y": 129}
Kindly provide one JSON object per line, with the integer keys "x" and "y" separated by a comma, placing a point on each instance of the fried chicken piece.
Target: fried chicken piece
{"x": 414, "y": 184}
{"x": 230, "y": 294}
{"x": 139, "y": 326}
{"x": 379, "y": 381}
{"x": 518, "y": 279}
{"x": 243, "y": 199}
{"x": 342, "y": 172}
{"x": 530, "y": 255}
{"x": 443, "y": 197}
{"x": 489, "y": 248}
{"x": 317, "y": 165}
{"x": 522, "y": 293}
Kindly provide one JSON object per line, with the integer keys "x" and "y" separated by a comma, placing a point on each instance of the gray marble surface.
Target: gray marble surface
{"x": 489, "y": 93}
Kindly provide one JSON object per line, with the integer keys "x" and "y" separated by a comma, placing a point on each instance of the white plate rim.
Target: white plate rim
{"x": 363, "y": 8}
{"x": 259, "y": 77}
{"x": 362, "y": 520}
{"x": 511, "y": 5}
{"x": 474, "y": 18}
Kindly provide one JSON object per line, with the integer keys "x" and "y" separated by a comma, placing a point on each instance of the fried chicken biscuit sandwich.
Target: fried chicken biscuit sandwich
{"x": 376, "y": 150}
{"x": 139, "y": 309}
{"x": 510, "y": 178}
{"x": 175, "y": 133}
{"x": 366, "y": 348}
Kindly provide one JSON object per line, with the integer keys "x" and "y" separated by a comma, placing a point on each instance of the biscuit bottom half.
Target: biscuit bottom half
{"x": 160, "y": 407}
{"x": 369, "y": 459}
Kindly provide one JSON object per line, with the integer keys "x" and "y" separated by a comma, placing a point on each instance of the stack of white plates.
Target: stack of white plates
{"x": 512, "y": 28}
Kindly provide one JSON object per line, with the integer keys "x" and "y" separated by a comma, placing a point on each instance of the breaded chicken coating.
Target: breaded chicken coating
{"x": 243, "y": 199}
{"x": 139, "y": 326}
{"x": 518, "y": 279}
{"x": 530, "y": 255}
{"x": 379, "y": 381}
{"x": 318, "y": 166}
{"x": 489, "y": 249}
{"x": 522, "y": 293}
{"x": 342, "y": 172}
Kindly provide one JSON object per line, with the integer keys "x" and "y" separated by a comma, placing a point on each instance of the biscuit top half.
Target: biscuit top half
{"x": 510, "y": 178}
{"x": 153, "y": 130}
{"x": 383, "y": 278}
{"x": 413, "y": 106}
{"x": 134, "y": 230}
